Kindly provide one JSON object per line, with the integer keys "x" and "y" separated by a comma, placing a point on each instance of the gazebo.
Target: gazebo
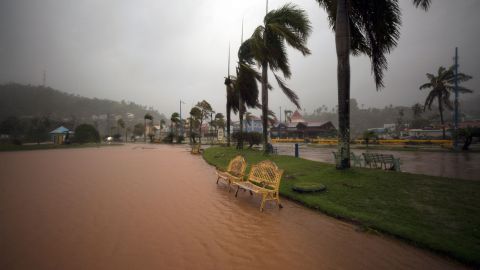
{"x": 60, "y": 134}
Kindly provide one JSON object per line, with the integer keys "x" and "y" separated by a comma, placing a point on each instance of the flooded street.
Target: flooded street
{"x": 158, "y": 207}
{"x": 461, "y": 165}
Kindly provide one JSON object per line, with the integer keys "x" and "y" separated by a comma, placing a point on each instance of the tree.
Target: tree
{"x": 441, "y": 87}
{"x": 232, "y": 103}
{"x": 139, "y": 129}
{"x": 149, "y": 117}
{"x": 205, "y": 110}
{"x": 194, "y": 121}
{"x": 38, "y": 129}
{"x": 286, "y": 25}
{"x": 219, "y": 122}
{"x": 246, "y": 86}
{"x": 86, "y": 133}
{"x": 361, "y": 27}
{"x": 174, "y": 120}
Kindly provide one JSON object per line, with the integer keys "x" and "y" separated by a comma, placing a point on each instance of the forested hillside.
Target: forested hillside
{"x": 37, "y": 101}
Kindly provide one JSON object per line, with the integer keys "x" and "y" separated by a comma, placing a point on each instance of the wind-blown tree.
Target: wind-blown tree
{"x": 442, "y": 85}
{"x": 149, "y": 117}
{"x": 219, "y": 121}
{"x": 232, "y": 103}
{"x": 174, "y": 121}
{"x": 361, "y": 27}
{"x": 205, "y": 110}
{"x": 286, "y": 25}
{"x": 246, "y": 85}
{"x": 194, "y": 122}
{"x": 162, "y": 124}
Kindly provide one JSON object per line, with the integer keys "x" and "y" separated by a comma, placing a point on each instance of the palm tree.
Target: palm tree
{"x": 246, "y": 86}
{"x": 441, "y": 87}
{"x": 288, "y": 24}
{"x": 232, "y": 103}
{"x": 174, "y": 120}
{"x": 149, "y": 117}
{"x": 361, "y": 27}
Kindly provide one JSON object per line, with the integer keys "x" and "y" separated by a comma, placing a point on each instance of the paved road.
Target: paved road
{"x": 158, "y": 207}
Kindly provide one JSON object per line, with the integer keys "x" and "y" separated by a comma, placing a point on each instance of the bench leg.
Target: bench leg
{"x": 280, "y": 206}
{"x": 236, "y": 193}
{"x": 263, "y": 203}
{"x": 218, "y": 178}
{"x": 251, "y": 193}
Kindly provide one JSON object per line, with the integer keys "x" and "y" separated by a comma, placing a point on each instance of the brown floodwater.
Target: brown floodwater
{"x": 462, "y": 165}
{"x": 158, "y": 207}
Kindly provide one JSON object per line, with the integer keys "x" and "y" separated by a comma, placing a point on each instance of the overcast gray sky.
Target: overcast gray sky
{"x": 156, "y": 52}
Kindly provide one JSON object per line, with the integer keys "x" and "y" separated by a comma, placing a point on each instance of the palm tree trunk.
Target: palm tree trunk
{"x": 342, "y": 41}
{"x": 265, "y": 105}
{"x": 228, "y": 125}
{"x": 440, "y": 108}
{"x": 240, "y": 116}
{"x": 145, "y": 129}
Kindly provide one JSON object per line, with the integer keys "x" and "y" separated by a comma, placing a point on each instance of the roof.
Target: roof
{"x": 60, "y": 130}
{"x": 296, "y": 117}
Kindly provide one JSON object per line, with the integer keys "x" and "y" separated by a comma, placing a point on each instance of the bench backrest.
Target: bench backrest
{"x": 267, "y": 174}
{"x": 237, "y": 166}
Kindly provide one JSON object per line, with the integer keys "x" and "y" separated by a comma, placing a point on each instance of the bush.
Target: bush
{"x": 86, "y": 133}
{"x": 169, "y": 138}
{"x": 252, "y": 138}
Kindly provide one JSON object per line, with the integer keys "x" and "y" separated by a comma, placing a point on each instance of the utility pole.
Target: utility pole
{"x": 44, "y": 78}
{"x": 280, "y": 114}
{"x": 455, "y": 118}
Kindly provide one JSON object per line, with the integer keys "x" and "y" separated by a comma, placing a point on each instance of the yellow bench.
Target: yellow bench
{"x": 235, "y": 171}
{"x": 264, "y": 179}
{"x": 196, "y": 149}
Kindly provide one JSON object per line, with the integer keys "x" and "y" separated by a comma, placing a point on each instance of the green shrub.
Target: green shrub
{"x": 86, "y": 133}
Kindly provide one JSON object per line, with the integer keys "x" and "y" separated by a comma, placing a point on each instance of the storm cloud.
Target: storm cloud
{"x": 158, "y": 52}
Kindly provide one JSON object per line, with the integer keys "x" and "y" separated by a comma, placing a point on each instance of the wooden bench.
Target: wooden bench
{"x": 235, "y": 171}
{"x": 264, "y": 179}
{"x": 196, "y": 149}
{"x": 381, "y": 161}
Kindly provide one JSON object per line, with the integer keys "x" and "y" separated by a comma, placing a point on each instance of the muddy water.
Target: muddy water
{"x": 454, "y": 165}
{"x": 135, "y": 207}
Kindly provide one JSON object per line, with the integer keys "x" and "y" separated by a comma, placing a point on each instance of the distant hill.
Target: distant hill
{"x": 31, "y": 101}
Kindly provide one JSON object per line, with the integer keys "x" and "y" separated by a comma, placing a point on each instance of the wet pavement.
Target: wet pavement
{"x": 463, "y": 165}
{"x": 158, "y": 207}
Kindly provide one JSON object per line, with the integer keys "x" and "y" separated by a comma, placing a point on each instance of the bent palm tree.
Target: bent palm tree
{"x": 286, "y": 25}
{"x": 441, "y": 87}
{"x": 246, "y": 86}
{"x": 361, "y": 27}
{"x": 232, "y": 103}
{"x": 174, "y": 120}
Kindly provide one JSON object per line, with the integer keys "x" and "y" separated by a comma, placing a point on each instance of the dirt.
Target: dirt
{"x": 158, "y": 207}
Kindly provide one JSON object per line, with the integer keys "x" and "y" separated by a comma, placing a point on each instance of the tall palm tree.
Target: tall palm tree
{"x": 174, "y": 120}
{"x": 286, "y": 25}
{"x": 441, "y": 87}
{"x": 149, "y": 117}
{"x": 246, "y": 86}
{"x": 232, "y": 103}
{"x": 361, "y": 27}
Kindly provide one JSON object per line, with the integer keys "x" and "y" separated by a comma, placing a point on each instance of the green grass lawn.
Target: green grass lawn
{"x": 13, "y": 147}
{"x": 440, "y": 214}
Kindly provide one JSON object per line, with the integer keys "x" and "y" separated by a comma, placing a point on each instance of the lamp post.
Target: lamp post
{"x": 181, "y": 121}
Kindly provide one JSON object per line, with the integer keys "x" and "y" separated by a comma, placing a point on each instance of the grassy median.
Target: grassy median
{"x": 441, "y": 214}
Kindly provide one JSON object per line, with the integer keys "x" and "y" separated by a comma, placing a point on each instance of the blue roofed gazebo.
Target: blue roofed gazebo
{"x": 59, "y": 134}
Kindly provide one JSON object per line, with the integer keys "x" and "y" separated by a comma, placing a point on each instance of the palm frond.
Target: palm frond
{"x": 291, "y": 95}
{"x": 424, "y": 4}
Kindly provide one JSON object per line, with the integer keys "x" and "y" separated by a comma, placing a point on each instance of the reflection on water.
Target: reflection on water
{"x": 158, "y": 207}
{"x": 462, "y": 165}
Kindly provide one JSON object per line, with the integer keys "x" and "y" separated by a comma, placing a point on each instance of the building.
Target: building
{"x": 60, "y": 135}
{"x": 253, "y": 125}
{"x": 299, "y": 128}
